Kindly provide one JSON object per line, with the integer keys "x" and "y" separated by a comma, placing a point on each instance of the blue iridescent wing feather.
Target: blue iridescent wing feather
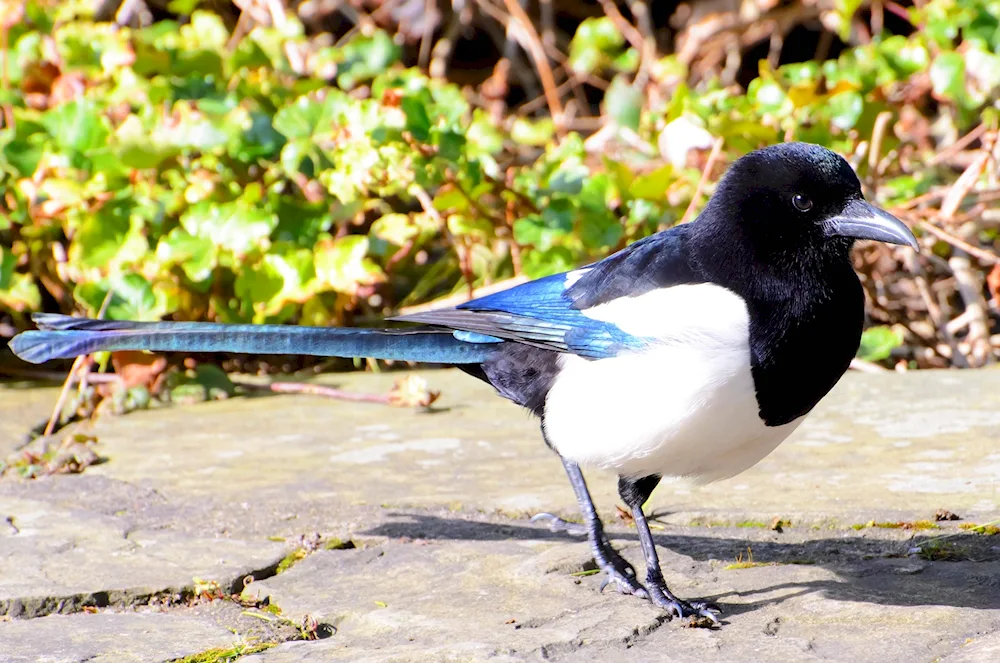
{"x": 549, "y": 312}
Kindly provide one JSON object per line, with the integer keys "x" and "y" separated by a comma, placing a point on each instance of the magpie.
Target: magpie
{"x": 691, "y": 353}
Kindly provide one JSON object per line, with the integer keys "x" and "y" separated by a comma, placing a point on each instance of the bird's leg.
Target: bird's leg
{"x": 635, "y": 492}
{"x": 616, "y": 569}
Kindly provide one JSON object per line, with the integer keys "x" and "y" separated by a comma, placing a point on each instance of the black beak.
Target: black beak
{"x": 861, "y": 220}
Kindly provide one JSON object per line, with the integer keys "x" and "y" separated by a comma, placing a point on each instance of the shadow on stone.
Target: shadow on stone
{"x": 871, "y": 570}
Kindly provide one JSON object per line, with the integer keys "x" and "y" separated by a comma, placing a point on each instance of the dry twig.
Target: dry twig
{"x": 705, "y": 174}
{"x": 533, "y": 44}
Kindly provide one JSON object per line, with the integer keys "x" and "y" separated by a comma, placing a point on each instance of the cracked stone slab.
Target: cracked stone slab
{"x": 198, "y": 490}
{"x": 22, "y": 406}
{"x": 880, "y": 446}
{"x": 59, "y": 559}
{"x": 517, "y": 599}
{"x": 109, "y": 638}
{"x": 468, "y": 600}
{"x": 977, "y": 650}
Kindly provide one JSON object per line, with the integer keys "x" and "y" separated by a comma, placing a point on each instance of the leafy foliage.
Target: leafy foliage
{"x": 280, "y": 177}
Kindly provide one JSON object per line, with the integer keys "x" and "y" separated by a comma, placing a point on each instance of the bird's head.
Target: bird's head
{"x": 795, "y": 199}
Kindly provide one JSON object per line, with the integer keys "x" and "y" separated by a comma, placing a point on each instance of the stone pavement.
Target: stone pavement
{"x": 414, "y": 541}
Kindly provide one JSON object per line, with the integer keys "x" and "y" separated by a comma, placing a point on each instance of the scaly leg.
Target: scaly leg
{"x": 616, "y": 569}
{"x": 635, "y": 492}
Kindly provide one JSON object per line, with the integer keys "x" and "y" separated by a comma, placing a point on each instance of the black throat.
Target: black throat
{"x": 806, "y": 312}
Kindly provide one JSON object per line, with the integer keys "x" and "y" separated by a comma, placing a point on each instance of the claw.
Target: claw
{"x": 616, "y": 569}
{"x": 676, "y": 608}
{"x": 624, "y": 580}
{"x": 557, "y": 524}
{"x": 703, "y": 612}
{"x": 544, "y": 515}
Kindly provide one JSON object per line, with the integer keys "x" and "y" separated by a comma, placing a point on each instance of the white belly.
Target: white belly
{"x": 685, "y": 406}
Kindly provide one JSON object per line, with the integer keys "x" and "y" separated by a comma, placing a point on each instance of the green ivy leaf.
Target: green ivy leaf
{"x": 544, "y": 230}
{"x": 259, "y": 140}
{"x": 653, "y": 186}
{"x": 259, "y": 285}
{"x": 22, "y": 295}
{"x": 195, "y": 255}
{"x": 843, "y": 12}
{"x": 302, "y": 223}
{"x": 395, "y": 228}
{"x": 906, "y": 56}
{"x": 309, "y": 116}
{"x": 599, "y": 228}
{"x": 418, "y": 121}
{"x": 948, "y": 76}
{"x": 7, "y": 264}
{"x": 366, "y": 57}
{"x": 538, "y": 264}
{"x": 342, "y": 264}
{"x": 623, "y": 102}
{"x": 532, "y": 132}
{"x": 595, "y": 46}
{"x": 877, "y": 343}
{"x": 77, "y": 126}
{"x": 133, "y": 298}
{"x": 478, "y": 228}
{"x": 18, "y": 292}
{"x": 231, "y": 226}
{"x": 101, "y": 235}
{"x": 183, "y": 7}
{"x": 845, "y": 109}
{"x": 23, "y": 155}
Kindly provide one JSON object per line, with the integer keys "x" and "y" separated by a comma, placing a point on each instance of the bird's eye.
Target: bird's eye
{"x": 802, "y": 203}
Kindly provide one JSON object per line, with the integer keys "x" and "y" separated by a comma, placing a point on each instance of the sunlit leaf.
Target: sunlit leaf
{"x": 231, "y": 226}
{"x": 652, "y": 186}
{"x": 77, "y": 126}
{"x": 532, "y": 132}
{"x": 366, "y": 57}
{"x": 877, "y": 343}
{"x": 623, "y": 102}
{"x": 132, "y": 298}
{"x": 343, "y": 264}
{"x": 948, "y": 75}
{"x": 195, "y": 255}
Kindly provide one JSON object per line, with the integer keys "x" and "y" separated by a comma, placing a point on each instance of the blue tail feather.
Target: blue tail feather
{"x": 61, "y": 337}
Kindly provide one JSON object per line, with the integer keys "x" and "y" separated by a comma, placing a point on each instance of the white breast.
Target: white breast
{"x": 684, "y": 406}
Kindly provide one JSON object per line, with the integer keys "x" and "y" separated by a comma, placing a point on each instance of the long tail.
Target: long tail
{"x": 61, "y": 336}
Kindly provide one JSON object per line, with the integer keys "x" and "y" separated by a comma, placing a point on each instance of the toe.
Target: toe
{"x": 623, "y": 583}
{"x": 557, "y": 524}
{"x": 700, "y": 614}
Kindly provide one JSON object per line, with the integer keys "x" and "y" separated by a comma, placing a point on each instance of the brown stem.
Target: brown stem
{"x": 982, "y": 254}
{"x": 536, "y": 49}
{"x": 705, "y": 174}
{"x": 320, "y": 390}
{"x": 462, "y": 251}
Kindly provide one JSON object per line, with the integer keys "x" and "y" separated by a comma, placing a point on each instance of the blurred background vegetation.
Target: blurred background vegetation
{"x": 328, "y": 162}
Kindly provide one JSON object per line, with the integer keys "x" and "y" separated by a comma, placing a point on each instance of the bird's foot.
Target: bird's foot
{"x": 621, "y": 574}
{"x": 617, "y": 570}
{"x": 557, "y": 524}
{"x": 700, "y": 614}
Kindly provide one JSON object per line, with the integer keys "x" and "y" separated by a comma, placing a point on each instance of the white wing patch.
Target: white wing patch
{"x": 574, "y": 276}
{"x": 683, "y": 406}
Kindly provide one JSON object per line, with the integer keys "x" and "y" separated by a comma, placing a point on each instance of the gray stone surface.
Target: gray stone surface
{"x": 57, "y": 559}
{"x": 109, "y": 638}
{"x": 469, "y": 599}
{"x": 22, "y": 406}
{"x": 448, "y": 567}
{"x": 976, "y": 650}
